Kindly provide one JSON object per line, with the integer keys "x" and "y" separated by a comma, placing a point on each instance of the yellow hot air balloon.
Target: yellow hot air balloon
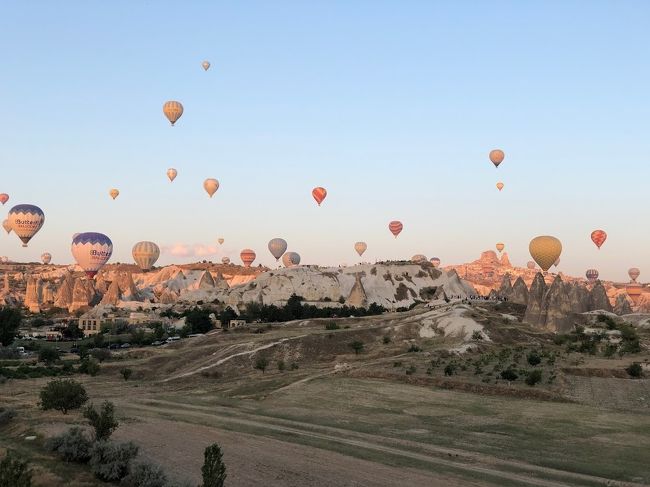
{"x": 500, "y": 247}
{"x": 545, "y": 250}
{"x": 171, "y": 173}
{"x": 500, "y": 185}
{"x": 173, "y": 111}
{"x": 211, "y": 186}
{"x": 114, "y": 193}
{"x": 360, "y": 247}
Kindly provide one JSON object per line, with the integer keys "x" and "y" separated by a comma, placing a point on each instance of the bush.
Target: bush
{"x": 414, "y": 348}
{"x": 90, "y": 366}
{"x": 110, "y": 461}
{"x": 357, "y": 346}
{"x": 213, "y": 470}
{"x": 6, "y": 415}
{"x": 146, "y": 475}
{"x": 332, "y": 325}
{"x": 14, "y": 472}
{"x": 48, "y": 355}
{"x": 63, "y": 395}
{"x": 509, "y": 375}
{"x": 386, "y": 340}
{"x": 100, "y": 354}
{"x": 126, "y": 373}
{"x": 534, "y": 359}
{"x": 450, "y": 369}
{"x": 102, "y": 421}
{"x": 73, "y": 445}
{"x": 477, "y": 335}
{"x": 635, "y": 370}
{"x": 411, "y": 370}
{"x": 261, "y": 364}
{"x": 281, "y": 366}
{"x": 534, "y": 377}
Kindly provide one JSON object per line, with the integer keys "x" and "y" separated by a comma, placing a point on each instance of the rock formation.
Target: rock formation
{"x": 535, "y": 300}
{"x": 83, "y": 295}
{"x": 598, "y": 299}
{"x": 505, "y": 261}
{"x": 206, "y": 282}
{"x": 622, "y": 306}
{"x": 33, "y": 295}
{"x": 519, "y": 292}
{"x": 357, "y": 297}
{"x": 505, "y": 291}
{"x": 64, "y": 293}
{"x": 557, "y": 309}
{"x": 113, "y": 295}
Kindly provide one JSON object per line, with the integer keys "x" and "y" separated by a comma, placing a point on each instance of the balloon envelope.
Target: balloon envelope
{"x": 500, "y": 186}
{"x": 598, "y": 237}
{"x": 225, "y": 260}
{"x": 497, "y": 156}
{"x": 114, "y": 193}
{"x": 500, "y": 246}
{"x": 360, "y": 247}
{"x": 206, "y": 65}
{"x": 4, "y": 197}
{"x": 220, "y": 240}
{"x": 592, "y": 275}
{"x": 291, "y": 259}
{"x": 211, "y": 186}
{"x": 7, "y": 225}
{"x": 435, "y": 261}
{"x": 557, "y": 262}
{"x": 26, "y": 221}
{"x": 91, "y": 250}
{"x": 277, "y": 247}
{"x": 173, "y": 111}
{"x": 145, "y": 254}
{"x": 634, "y": 273}
{"x": 395, "y": 227}
{"x": 172, "y": 173}
{"x": 46, "y": 258}
{"x": 319, "y": 194}
{"x": 545, "y": 250}
{"x": 247, "y": 257}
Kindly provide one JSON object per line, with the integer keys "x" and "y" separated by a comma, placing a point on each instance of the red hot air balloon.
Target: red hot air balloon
{"x": 247, "y": 257}
{"x": 4, "y": 197}
{"x": 598, "y": 237}
{"x": 395, "y": 227}
{"x": 319, "y": 194}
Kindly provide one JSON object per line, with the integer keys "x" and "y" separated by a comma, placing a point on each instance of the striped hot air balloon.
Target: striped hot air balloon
{"x": 26, "y": 221}
{"x": 91, "y": 250}
{"x": 592, "y": 275}
{"x": 634, "y": 273}
{"x": 277, "y": 247}
{"x": 225, "y": 260}
{"x": 114, "y": 193}
{"x": 435, "y": 262}
{"x": 247, "y": 256}
{"x": 46, "y": 258}
{"x": 211, "y": 186}
{"x": 319, "y": 194}
{"x": 291, "y": 259}
{"x": 6, "y": 224}
{"x": 145, "y": 254}
{"x": 4, "y": 197}
{"x": 497, "y": 156}
{"x": 173, "y": 111}
{"x": 360, "y": 247}
{"x": 172, "y": 173}
{"x": 545, "y": 250}
{"x": 598, "y": 237}
{"x": 395, "y": 227}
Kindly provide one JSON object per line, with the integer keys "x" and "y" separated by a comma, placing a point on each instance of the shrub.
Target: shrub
{"x": 14, "y": 472}
{"x": 534, "y": 377}
{"x": 414, "y": 348}
{"x": 332, "y": 325}
{"x": 477, "y": 335}
{"x": 357, "y": 346}
{"x": 450, "y": 369}
{"x": 110, "y": 461}
{"x": 386, "y": 340}
{"x": 100, "y": 354}
{"x": 213, "y": 470}
{"x": 509, "y": 375}
{"x": 102, "y": 421}
{"x": 73, "y": 445}
{"x": 48, "y": 355}
{"x": 411, "y": 370}
{"x": 635, "y": 370}
{"x": 294, "y": 366}
{"x": 63, "y": 395}
{"x": 261, "y": 364}
{"x": 281, "y": 366}
{"x": 534, "y": 359}
{"x": 146, "y": 475}
{"x": 90, "y": 366}
{"x": 126, "y": 373}
{"x": 6, "y": 415}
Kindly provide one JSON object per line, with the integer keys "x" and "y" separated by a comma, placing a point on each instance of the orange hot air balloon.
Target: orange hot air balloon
{"x": 497, "y": 156}
{"x": 395, "y": 227}
{"x": 114, "y": 193}
{"x": 545, "y": 250}
{"x": 211, "y": 186}
{"x": 173, "y": 111}
{"x": 247, "y": 257}
{"x": 598, "y": 237}
{"x": 319, "y": 194}
{"x": 500, "y": 246}
{"x": 4, "y": 197}
{"x": 500, "y": 186}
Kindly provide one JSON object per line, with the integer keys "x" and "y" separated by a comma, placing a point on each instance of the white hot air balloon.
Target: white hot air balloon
{"x": 91, "y": 251}
{"x": 46, "y": 258}
{"x": 26, "y": 221}
{"x": 171, "y": 174}
{"x": 291, "y": 259}
{"x": 145, "y": 254}
{"x": 277, "y": 247}
{"x": 225, "y": 260}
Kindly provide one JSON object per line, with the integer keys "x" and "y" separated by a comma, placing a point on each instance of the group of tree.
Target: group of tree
{"x": 10, "y": 321}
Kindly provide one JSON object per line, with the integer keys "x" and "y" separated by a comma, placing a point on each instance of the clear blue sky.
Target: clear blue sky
{"x": 392, "y": 106}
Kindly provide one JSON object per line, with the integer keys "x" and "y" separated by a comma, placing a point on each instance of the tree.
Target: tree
{"x": 90, "y": 366}
{"x": 10, "y": 321}
{"x": 63, "y": 395}
{"x": 635, "y": 370}
{"x": 509, "y": 375}
{"x": 281, "y": 366}
{"x": 261, "y": 364}
{"x": 534, "y": 359}
{"x": 357, "y": 346}
{"x": 102, "y": 421}
{"x": 534, "y": 377}
{"x": 227, "y": 315}
{"x": 73, "y": 332}
{"x": 126, "y": 373}
{"x": 213, "y": 470}
{"x": 110, "y": 461}
{"x": 15, "y": 472}
{"x": 49, "y": 355}
{"x": 199, "y": 320}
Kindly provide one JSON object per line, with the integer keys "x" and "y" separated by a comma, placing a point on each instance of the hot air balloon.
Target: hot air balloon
{"x": 319, "y": 194}
{"x": 74, "y": 235}
{"x": 291, "y": 259}
{"x": 497, "y": 156}
{"x": 211, "y": 186}
{"x": 171, "y": 173}
{"x": 634, "y": 273}
{"x": 500, "y": 186}
{"x": 530, "y": 265}
{"x": 46, "y": 258}
{"x": 545, "y": 250}
{"x": 7, "y": 226}
{"x": 91, "y": 250}
{"x": 360, "y": 247}
{"x": 145, "y": 254}
{"x": 173, "y": 111}
{"x": 26, "y": 221}
{"x": 395, "y": 227}
{"x": 435, "y": 262}
{"x": 592, "y": 275}
{"x": 220, "y": 240}
{"x": 418, "y": 259}
{"x": 225, "y": 260}
{"x": 557, "y": 262}
{"x": 4, "y": 197}
{"x": 598, "y": 237}
{"x": 206, "y": 65}
{"x": 277, "y": 247}
{"x": 114, "y": 193}
{"x": 500, "y": 246}
{"x": 247, "y": 256}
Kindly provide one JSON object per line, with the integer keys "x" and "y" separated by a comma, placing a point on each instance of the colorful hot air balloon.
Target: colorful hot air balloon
{"x": 418, "y": 259}
{"x": 277, "y": 247}
{"x": 91, "y": 251}
{"x": 592, "y": 275}
{"x": 598, "y": 237}
{"x": 497, "y": 156}
{"x": 291, "y": 259}
{"x": 220, "y": 240}
{"x": 500, "y": 186}
{"x": 26, "y": 221}
{"x": 225, "y": 260}
{"x": 145, "y": 254}
{"x": 114, "y": 193}
{"x": 319, "y": 194}
{"x": 4, "y": 197}
{"x": 360, "y": 247}
{"x": 6, "y": 224}
{"x": 395, "y": 227}
{"x": 435, "y": 262}
{"x": 531, "y": 265}
{"x": 634, "y": 273}
{"x": 46, "y": 258}
{"x": 171, "y": 173}
{"x": 206, "y": 65}
{"x": 247, "y": 256}
{"x": 211, "y": 186}
{"x": 500, "y": 246}
{"x": 173, "y": 111}
{"x": 545, "y": 250}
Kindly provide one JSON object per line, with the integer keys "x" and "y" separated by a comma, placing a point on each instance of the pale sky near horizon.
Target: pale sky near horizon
{"x": 392, "y": 106}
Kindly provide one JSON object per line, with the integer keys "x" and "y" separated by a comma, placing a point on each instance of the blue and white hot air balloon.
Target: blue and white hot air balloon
{"x": 26, "y": 221}
{"x": 145, "y": 254}
{"x": 291, "y": 259}
{"x": 91, "y": 250}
